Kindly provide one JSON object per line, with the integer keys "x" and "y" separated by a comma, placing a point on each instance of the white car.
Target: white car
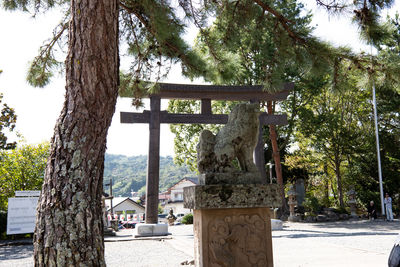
{"x": 179, "y": 216}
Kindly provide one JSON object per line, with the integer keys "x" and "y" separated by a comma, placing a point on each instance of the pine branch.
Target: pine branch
{"x": 332, "y": 5}
{"x": 39, "y": 72}
{"x": 190, "y": 9}
{"x": 164, "y": 42}
{"x": 282, "y": 20}
{"x": 49, "y": 47}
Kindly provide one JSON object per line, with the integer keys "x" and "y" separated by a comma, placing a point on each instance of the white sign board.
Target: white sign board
{"x": 27, "y": 193}
{"x": 21, "y": 215}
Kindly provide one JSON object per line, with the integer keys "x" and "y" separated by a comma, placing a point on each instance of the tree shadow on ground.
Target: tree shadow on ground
{"x": 376, "y": 225}
{"x": 339, "y": 229}
{"x": 311, "y": 233}
{"x": 15, "y": 252}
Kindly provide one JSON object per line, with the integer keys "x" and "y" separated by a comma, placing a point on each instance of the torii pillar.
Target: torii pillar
{"x": 153, "y": 162}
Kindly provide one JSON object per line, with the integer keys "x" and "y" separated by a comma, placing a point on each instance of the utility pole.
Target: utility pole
{"x": 112, "y": 212}
{"x": 110, "y": 196}
{"x": 378, "y": 153}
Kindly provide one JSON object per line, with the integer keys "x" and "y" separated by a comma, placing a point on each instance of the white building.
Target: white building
{"x": 175, "y": 192}
{"x": 124, "y": 204}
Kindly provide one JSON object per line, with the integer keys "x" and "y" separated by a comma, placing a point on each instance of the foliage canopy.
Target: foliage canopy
{"x": 21, "y": 169}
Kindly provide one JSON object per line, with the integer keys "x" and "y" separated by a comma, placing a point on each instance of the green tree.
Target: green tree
{"x": 22, "y": 168}
{"x": 8, "y": 119}
{"x": 364, "y": 165}
{"x": 335, "y": 121}
{"x": 250, "y": 51}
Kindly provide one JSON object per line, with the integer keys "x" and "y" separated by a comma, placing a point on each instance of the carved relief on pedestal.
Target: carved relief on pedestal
{"x": 237, "y": 241}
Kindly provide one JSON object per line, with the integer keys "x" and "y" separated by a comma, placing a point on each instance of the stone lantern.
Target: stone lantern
{"x": 352, "y": 202}
{"x": 292, "y": 203}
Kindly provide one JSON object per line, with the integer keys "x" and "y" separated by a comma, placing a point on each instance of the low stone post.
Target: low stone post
{"x": 352, "y": 203}
{"x": 292, "y": 203}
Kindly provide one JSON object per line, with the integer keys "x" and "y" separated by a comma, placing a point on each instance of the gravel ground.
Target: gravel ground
{"x": 350, "y": 243}
{"x": 144, "y": 253}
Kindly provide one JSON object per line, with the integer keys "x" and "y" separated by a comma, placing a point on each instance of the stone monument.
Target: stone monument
{"x": 300, "y": 191}
{"x": 352, "y": 203}
{"x": 232, "y": 225}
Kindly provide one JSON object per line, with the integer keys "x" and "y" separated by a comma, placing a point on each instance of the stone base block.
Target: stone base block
{"x": 237, "y": 237}
{"x": 147, "y": 229}
{"x": 276, "y": 225}
{"x": 109, "y": 232}
{"x": 231, "y": 196}
{"x": 231, "y": 178}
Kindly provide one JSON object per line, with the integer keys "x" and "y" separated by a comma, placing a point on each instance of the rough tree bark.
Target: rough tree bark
{"x": 339, "y": 181}
{"x": 276, "y": 155}
{"x": 69, "y": 225}
{"x": 326, "y": 184}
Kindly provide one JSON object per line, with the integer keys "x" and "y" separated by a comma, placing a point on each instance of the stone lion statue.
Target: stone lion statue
{"x": 237, "y": 139}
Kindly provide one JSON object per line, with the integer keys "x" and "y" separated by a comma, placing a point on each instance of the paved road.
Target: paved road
{"x": 350, "y": 243}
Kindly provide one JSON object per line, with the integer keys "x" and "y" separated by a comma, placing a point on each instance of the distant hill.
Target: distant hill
{"x": 129, "y": 173}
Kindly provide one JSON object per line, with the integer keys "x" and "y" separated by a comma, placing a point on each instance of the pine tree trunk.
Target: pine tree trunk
{"x": 326, "y": 185}
{"x": 69, "y": 225}
{"x": 276, "y": 156}
{"x": 339, "y": 182}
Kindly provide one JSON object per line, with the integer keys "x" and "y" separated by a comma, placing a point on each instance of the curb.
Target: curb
{"x": 16, "y": 243}
{"x": 115, "y": 239}
{"x": 136, "y": 239}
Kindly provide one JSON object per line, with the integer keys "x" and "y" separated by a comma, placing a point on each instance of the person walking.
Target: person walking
{"x": 388, "y": 205}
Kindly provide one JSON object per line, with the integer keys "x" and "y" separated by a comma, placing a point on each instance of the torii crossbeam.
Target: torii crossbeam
{"x": 205, "y": 93}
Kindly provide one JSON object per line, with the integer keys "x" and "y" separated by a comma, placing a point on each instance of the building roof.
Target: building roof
{"x": 193, "y": 180}
{"x": 164, "y": 196}
{"x": 118, "y": 200}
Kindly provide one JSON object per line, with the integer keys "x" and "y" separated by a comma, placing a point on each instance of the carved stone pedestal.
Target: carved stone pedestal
{"x": 232, "y": 224}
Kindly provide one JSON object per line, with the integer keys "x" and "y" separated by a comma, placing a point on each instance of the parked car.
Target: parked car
{"x": 162, "y": 218}
{"x": 179, "y": 216}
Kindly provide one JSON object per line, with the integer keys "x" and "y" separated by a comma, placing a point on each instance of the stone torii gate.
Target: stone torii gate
{"x": 205, "y": 93}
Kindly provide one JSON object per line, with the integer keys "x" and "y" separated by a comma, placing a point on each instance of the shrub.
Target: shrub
{"x": 311, "y": 204}
{"x": 342, "y": 210}
{"x": 187, "y": 219}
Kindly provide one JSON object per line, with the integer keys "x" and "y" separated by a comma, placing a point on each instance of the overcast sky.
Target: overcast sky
{"x": 37, "y": 109}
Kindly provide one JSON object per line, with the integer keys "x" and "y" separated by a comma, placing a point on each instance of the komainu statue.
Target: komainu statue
{"x": 236, "y": 140}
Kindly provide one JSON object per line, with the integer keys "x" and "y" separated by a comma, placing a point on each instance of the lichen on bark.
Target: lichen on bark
{"x": 69, "y": 226}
